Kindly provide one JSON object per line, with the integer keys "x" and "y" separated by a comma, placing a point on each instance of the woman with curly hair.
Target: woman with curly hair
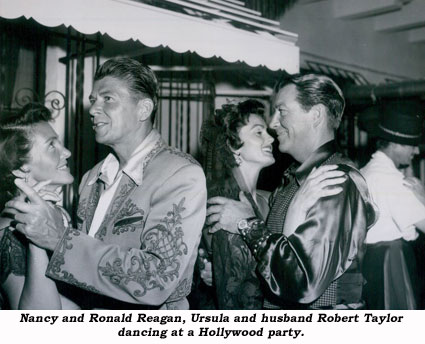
{"x": 29, "y": 150}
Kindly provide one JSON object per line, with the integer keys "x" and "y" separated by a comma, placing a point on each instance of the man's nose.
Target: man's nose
{"x": 93, "y": 106}
{"x": 274, "y": 122}
{"x": 416, "y": 150}
{"x": 65, "y": 152}
{"x": 91, "y": 109}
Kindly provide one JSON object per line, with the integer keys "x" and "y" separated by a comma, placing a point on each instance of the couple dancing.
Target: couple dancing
{"x": 140, "y": 212}
{"x": 302, "y": 246}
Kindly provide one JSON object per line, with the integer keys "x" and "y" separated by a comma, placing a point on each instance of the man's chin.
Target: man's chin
{"x": 100, "y": 139}
{"x": 403, "y": 166}
{"x": 283, "y": 148}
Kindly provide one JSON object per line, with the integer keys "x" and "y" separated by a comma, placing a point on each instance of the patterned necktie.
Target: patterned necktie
{"x": 282, "y": 199}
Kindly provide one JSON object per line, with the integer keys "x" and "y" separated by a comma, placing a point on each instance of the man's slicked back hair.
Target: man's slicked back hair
{"x": 140, "y": 79}
{"x": 314, "y": 89}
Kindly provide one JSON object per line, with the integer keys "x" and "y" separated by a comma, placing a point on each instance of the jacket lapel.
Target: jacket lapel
{"x": 124, "y": 190}
{"x": 87, "y": 207}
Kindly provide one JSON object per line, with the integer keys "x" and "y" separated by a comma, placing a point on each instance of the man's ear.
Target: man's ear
{"x": 145, "y": 107}
{"x": 319, "y": 114}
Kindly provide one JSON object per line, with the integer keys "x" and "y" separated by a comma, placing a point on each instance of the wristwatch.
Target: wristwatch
{"x": 245, "y": 225}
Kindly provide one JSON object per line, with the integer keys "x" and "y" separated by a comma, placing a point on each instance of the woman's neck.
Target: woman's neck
{"x": 54, "y": 188}
{"x": 250, "y": 176}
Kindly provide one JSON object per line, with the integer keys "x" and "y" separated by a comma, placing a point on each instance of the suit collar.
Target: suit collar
{"x": 319, "y": 156}
{"x": 108, "y": 170}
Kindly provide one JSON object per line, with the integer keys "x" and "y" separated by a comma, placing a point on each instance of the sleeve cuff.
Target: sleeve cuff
{"x": 256, "y": 235}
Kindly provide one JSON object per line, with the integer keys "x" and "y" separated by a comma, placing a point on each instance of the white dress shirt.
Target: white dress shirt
{"x": 398, "y": 207}
{"x": 111, "y": 175}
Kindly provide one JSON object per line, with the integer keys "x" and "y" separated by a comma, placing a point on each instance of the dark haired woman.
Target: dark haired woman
{"x": 237, "y": 147}
{"x": 29, "y": 149}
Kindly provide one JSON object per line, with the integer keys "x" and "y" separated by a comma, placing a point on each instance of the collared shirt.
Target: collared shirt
{"x": 399, "y": 209}
{"x": 111, "y": 175}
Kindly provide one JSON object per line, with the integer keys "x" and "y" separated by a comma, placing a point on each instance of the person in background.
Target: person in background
{"x": 313, "y": 262}
{"x": 389, "y": 264}
{"x": 141, "y": 210}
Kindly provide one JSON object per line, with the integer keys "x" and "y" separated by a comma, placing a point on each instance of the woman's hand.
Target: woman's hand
{"x": 205, "y": 268}
{"x": 321, "y": 182}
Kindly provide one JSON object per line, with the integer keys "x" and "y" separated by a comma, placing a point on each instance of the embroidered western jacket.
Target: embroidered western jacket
{"x": 299, "y": 267}
{"x": 144, "y": 250}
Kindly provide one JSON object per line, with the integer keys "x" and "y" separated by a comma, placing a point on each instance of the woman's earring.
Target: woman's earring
{"x": 238, "y": 159}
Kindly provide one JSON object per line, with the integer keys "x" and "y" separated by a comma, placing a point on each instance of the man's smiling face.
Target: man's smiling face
{"x": 291, "y": 123}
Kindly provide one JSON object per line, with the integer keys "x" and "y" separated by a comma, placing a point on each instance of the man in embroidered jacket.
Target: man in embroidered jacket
{"x": 141, "y": 210}
{"x": 314, "y": 261}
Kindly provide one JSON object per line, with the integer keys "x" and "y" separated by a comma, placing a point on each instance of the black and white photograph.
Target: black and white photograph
{"x": 257, "y": 167}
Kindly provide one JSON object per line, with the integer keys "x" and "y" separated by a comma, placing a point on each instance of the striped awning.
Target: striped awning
{"x": 209, "y": 28}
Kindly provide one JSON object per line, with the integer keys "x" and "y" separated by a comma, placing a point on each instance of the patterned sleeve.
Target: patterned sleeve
{"x": 13, "y": 254}
{"x": 237, "y": 286}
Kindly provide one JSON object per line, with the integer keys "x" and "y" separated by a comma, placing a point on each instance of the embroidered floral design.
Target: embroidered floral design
{"x": 182, "y": 290}
{"x": 164, "y": 243}
{"x": 130, "y": 209}
{"x": 186, "y": 156}
{"x": 81, "y": 213}
{"x": 54, "y": 268}
{"x": 158, "y": 146}
{"x": 87, "y": 207}
{"x": 123, "y": 193}
{"x": 69, "y": 278}
{"x": 126, "y": 221}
